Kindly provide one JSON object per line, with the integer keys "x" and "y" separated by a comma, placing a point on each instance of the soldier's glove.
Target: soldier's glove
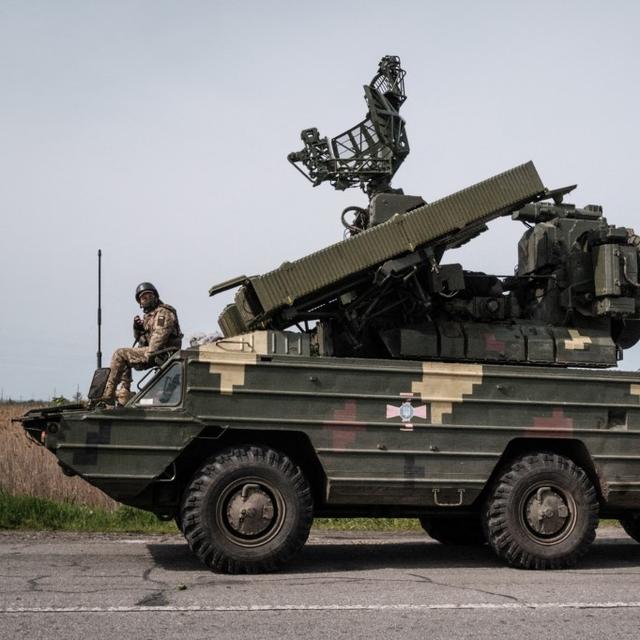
{"x": 138, "y": 327}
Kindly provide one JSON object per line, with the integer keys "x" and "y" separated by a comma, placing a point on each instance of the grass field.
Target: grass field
{"x": 29, "y": 513}
{"x": 27, "y": 469}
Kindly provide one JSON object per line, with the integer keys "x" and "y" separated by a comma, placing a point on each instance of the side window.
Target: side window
{"x": 166, "y": 391}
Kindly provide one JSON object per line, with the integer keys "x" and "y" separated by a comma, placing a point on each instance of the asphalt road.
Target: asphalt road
{"x": 342, "y": 586}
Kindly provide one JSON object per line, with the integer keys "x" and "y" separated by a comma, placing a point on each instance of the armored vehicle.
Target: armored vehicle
{"x": 371, "y": 378}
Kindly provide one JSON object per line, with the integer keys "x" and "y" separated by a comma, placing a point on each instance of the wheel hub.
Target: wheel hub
{"x": 250, "y": 510}
{"x": 546, "y": 511}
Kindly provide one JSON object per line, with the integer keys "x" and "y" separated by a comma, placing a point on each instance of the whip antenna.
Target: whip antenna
{"x": 99, "y": 354}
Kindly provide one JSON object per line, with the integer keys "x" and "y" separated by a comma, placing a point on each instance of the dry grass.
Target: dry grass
{"x": 27, "y": 469}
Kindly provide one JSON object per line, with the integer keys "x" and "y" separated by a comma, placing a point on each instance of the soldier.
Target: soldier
{"x": 157, "y": 331}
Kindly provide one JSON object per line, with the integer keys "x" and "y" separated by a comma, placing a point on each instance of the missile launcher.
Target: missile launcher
{"x": 386, "y": 291}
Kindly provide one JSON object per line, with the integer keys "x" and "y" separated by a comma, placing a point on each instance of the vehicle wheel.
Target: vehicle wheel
{"x": 452, "y": 530}
{"x": 631, "y": 524}
{"x": 247, "y": 510}
{"x": 542, "y": 513}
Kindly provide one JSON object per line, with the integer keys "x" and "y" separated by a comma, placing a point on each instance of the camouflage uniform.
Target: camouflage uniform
{"x": 161, "y": 330}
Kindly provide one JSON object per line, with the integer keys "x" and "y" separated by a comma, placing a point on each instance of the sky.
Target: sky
{"x": 158, "y": 132}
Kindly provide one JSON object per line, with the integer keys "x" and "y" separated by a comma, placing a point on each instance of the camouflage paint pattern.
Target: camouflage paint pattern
{"x": 386, "y": 433}
{"x": 161, "y": 328}
{"x": 122, "y": 361}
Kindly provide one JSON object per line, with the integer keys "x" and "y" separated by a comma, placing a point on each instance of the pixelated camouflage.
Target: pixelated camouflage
{"x": 368, "y": 454}
{"x": 160, "y": 331}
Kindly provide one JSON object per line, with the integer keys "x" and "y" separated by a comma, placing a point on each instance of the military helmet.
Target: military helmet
{"x": 145, "y": 286}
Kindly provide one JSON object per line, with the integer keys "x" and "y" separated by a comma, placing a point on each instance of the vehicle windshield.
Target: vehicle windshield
{"x": 166, "y": 391}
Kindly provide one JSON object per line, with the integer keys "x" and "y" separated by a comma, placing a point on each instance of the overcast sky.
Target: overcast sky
{"x": 158, "y": 132}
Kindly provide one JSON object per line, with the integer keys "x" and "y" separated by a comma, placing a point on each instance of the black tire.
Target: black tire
{"x": 452, "y": 530}
{"x": 631, "y": 524}
{"x": 247, "y": 510}
{"x": 542, "y": 513}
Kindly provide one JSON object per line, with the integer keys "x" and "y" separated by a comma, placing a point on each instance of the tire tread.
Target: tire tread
{"x": 195, "y": 497}
{"x": 496, "y": 519}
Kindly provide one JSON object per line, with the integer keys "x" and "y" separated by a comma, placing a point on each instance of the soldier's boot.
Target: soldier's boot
{"x": 109, "y": 394}
{"x": 123, "y": 395}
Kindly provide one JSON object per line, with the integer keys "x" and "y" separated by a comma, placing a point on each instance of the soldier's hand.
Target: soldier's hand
{"x": 138, "y": 325}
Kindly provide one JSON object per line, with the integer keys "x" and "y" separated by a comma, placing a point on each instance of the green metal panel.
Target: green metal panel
{"x": 122, "y": 452}
{"x": 230, "y": 321}
{"x": 401, "y": 234}
{"x": 465, "y": 416}
{"x": 458, "y": 421}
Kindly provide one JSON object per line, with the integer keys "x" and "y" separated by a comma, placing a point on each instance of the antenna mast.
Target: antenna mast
{"x": 99, "y": 354}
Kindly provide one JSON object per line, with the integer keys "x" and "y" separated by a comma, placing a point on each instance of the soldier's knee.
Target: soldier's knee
{"x": 119, "y": 357}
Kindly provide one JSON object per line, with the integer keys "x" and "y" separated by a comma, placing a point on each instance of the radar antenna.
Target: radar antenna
{"x": 368, "y": 154}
